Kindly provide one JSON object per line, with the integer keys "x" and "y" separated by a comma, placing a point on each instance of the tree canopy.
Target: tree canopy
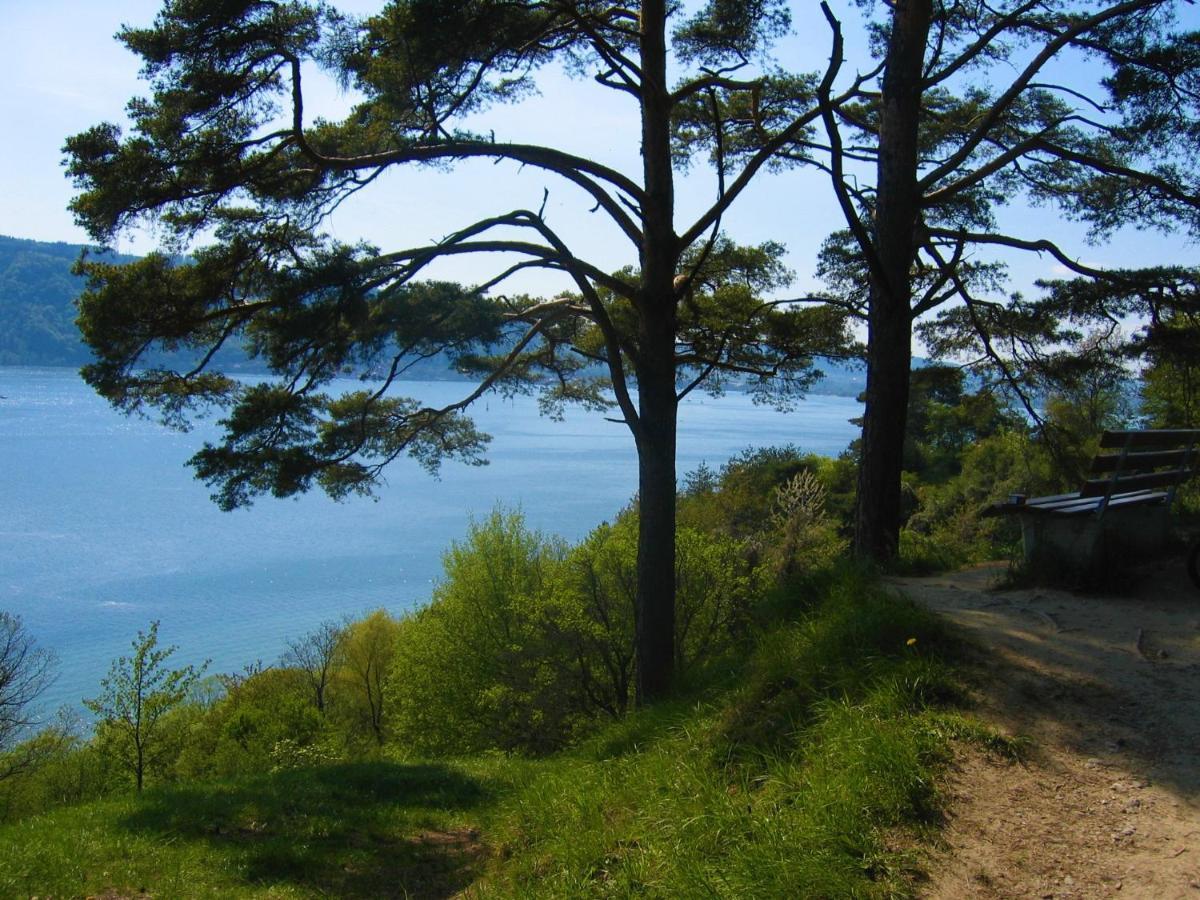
{"x": 961, "y": 110}
{"x": 1085, "y": 110}
{"x": 135, "y": 696}
{"x": 223, "y": 160}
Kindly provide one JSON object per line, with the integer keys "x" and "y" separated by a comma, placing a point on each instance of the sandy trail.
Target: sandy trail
{"x": 1108, "y": 688}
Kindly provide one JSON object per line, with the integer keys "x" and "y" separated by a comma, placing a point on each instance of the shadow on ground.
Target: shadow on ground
{"x": 354, "y": 830}
{"x": 1106, "y": 804}
{"x": 1109, "y": 674}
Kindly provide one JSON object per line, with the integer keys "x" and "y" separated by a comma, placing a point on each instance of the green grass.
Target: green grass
{"x": 802, "y": 771}
{"x": 356, "y": 830}
{"x": 792, "y": 784}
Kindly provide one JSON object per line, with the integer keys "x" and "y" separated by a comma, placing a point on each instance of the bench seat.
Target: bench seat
{"x": 1120, "y": 512}
{"x": 1074, "y": 504}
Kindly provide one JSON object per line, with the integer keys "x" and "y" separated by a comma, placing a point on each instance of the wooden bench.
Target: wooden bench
{"x": 1122, "y": 510}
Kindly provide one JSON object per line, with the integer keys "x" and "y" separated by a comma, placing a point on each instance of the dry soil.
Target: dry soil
{"x": 1106, "y": 802}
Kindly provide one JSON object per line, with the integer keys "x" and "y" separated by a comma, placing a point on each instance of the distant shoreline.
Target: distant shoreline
{"x": 37, "y": 304}
{"x": 820, "y": 389}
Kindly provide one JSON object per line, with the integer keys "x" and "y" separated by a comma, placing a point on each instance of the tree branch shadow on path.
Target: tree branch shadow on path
{"x": 1105, "y": 685}
{"x": 1110, "y": 676}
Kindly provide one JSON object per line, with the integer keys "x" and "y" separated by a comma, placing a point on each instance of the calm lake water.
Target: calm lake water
{"x": 103, "y": 528}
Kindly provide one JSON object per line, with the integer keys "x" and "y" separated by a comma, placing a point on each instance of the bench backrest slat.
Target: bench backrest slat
{"x": 1148, "y": 468}
{"x": 1149, "y": 440}
{"x": 1100, "y": 487}
{"x": 1140, "y": 462}
{"x": 1163, "y": 458}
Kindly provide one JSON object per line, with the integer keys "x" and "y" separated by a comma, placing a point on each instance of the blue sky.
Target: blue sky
{"x": 63, "y": 72}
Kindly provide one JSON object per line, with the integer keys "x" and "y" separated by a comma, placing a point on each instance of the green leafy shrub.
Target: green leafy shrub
{"x": 236, "y": 733}
{"x": 474, "y": 669}
{"x": 526, "y": 642}
{"x": 68, "y": 769}
{"x": 288, "y": 754}
{"x": 947, "y": 528}
{"x": 800, "y": 537}
{"x": 715, "y": 588}
{"x": 790, "y": 511}
{"x": 738, "y": 500}
{"x": 360, "y": 698}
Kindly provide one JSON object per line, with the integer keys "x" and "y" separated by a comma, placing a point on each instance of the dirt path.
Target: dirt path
{"x": 1108, "y": 688}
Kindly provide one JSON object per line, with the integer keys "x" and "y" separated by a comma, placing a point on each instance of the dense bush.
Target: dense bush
{"x": 68, "y": 769}
{"x": 715, "y": 586}
{"x": 359, "y": 694}
{"x": 238, "y": 732}
{"x": 947, "y": 528}
{"x": 739, "y": 499}
{"x": 473, "y": 669}
{"x": 791, "y": 511}
{"x": 526, "y": 642}
{"x": 800, "y": 537}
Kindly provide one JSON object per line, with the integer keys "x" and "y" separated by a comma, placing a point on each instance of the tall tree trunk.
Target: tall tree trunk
{"x": 889, "y": 323}
{"x": 656, "y": 534}
{"x": 656, "y": 371}
{"x": 889, "y": 357}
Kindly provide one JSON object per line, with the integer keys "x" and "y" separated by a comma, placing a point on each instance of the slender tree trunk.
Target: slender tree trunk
{"x": 889, "y": 357}
{"x": 889, "y": 324}
{"x": 655, "y": 603}
{"x": 656, "y": 534}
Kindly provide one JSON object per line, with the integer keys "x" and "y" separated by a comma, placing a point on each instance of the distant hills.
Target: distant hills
{"x": 37, "y": 311}
{"x": 37, "y": 317}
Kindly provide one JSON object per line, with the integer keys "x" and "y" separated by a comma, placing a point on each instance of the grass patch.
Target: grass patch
{"x": 792, "y": 784}
{"x": 802, "y": 770}
{"x": 360, "y": 830}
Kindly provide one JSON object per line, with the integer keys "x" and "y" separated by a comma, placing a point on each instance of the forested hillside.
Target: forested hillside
{"x": 36, "y": 294}
{"x": 37, "y": 307}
